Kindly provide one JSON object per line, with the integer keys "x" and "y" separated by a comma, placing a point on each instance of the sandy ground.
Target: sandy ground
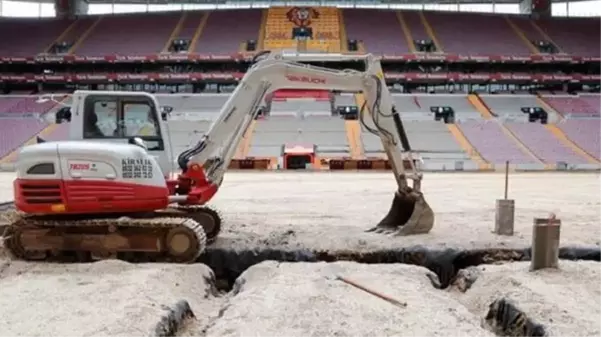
{"x": 305, "y": 299}
{"x": 331, "y": 210}
{"x": 328, "y": 211}
{"x": 107, "y": 298}
{"x": 566, "y": 300}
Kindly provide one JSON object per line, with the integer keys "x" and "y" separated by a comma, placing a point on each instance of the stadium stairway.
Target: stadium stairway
{"x": 175, "y": 32}
{"x": 261, "y": 39}
{"x": 523, "y": 147}
{"x": 546, "y": 36}
{"x": 202, "y": 23}
{"x": 553, "y": 114}
{"x": 342, "y": 29}
{"x": 521, "y": 35}
{"x": 353, "y": 132}
{"x": 187, "y": 27}
{"x": 563, "y": 138}
{"x": 84, "y": 28}
{"x": 468, "y": 147}
{"x": 406, "y": 32}
{"x": 62, "y": 37}
{"x": 479, "y": 104}
{"x": 430, "y": 31}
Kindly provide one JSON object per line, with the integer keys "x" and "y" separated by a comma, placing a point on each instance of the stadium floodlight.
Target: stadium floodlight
{"x": 45, "y": 98}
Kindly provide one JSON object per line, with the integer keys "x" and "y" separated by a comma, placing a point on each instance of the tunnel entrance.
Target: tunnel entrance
{"x": 298, "y": 162}
{"x": 298, "y": 156}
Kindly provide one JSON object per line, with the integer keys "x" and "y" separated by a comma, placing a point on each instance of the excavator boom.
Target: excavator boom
{"x": 409, "y": 214}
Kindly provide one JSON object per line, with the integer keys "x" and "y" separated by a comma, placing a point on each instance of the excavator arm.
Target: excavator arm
{"x": 204, "y": 165}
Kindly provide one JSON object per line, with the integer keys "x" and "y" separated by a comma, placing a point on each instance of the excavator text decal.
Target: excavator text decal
{"x": 82, "y": 166}
{"x": 306, "y": 79}
{"x": 136, "y": 168}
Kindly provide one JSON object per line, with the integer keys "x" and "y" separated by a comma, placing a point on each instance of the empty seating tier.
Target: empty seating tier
{"x": 378, "y": 30}
{"x": 543, "y": 144}
{"x": 16, "y": 131}
{"x": 509, "y": 106}
{"x": 476, "y": 34}
{"x": 146, "y": 34}
{"x": 492, "y": 144}
{"x": 327, "y": 133}
{"x": 29, "y": 37}
{"x": 575, "y": 106}
{"x": 585, "y": 133}
{"x": 574, "y": 36}
{"x": 225, "y": 30}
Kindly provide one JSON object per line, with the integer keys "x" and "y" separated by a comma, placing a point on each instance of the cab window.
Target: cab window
{"x": 122, "y": 118}
{"x": 139, "y": 120}
{"x": 101, "y": 120}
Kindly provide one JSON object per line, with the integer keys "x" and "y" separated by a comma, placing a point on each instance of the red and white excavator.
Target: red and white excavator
{"x": 107, "y": 192}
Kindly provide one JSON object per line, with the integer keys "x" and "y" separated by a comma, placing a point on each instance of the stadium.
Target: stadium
{"x": 315, "y": 109}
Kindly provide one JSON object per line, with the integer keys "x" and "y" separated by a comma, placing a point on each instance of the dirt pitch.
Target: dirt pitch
{"x": 330, "y": 211}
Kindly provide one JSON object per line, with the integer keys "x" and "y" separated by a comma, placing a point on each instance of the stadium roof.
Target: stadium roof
{"x": 271, "y": 3}
{"x": 45, "y": 8}
{"x": 337, "y": 3}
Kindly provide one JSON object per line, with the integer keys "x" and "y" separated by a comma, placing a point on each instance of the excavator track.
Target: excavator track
{"x": 133, "y": 239}
{"x": 207, "y": 217}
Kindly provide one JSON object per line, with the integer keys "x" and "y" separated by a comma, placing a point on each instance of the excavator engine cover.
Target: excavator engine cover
{"x": 409, "y": 214}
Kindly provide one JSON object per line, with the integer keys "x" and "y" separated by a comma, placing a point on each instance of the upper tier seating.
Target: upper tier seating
{"x": 475, "y": 34}
{"x": 379, "y": 30}
{"x": 129, "y": 34}
{"x": 227, "y": 29}
{"x": 578, "y": 36}
{"x": 29, "y": 37}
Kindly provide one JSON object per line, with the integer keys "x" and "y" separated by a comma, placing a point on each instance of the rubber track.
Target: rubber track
{"x": 154, "y": 223}
{"x": 181, "y": 211}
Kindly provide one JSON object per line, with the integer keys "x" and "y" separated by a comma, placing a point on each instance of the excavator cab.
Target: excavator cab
{"x": 121, "y": 117}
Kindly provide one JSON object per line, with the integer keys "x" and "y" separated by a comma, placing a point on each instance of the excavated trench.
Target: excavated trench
{"x": 503, "y": 317}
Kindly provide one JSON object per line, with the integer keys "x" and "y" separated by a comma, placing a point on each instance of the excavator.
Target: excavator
{"x": 108, "y": 192}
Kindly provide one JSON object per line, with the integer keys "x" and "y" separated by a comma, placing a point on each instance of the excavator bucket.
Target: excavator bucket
{"x": 409, "y": 214}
